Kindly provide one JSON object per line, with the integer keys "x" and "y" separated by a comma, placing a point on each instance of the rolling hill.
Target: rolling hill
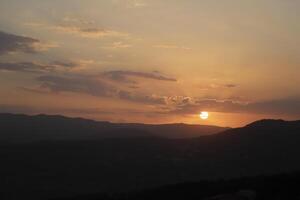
{"x": 24, "y": 128}
{"x": 56, "y": 168}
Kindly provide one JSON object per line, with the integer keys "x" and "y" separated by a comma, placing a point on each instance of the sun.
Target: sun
{"x": 204, "y": 115}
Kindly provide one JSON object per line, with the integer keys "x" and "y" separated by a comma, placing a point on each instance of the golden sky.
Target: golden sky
{"x": 151, "y": 61}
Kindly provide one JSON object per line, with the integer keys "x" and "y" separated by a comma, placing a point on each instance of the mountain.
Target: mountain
{"x": 65, "y": 168}
{"x": 268, "y": 126}
{"x": 20, "y": 128}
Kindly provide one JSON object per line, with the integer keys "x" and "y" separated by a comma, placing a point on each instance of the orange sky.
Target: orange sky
{"x": 151, "y": 61}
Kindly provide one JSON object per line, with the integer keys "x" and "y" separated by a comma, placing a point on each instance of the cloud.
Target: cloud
{"x": 193, "y": 106}
{"x": 59, "y": 76}
{"x": 146, "y": 99}
{"x": 95, "y": 87}
{"x": 122, "y": 76}
{"x": 10, "y": 43}
{"x": 100, "y": 86}
{"x": 44, "y": 46}
{"x": 72, "y": 19}
{"x": 77, "y": 84}
{"x": 24, "y": 67}
{"x": 79, "y": 27}
{"x": 34, "y": 67}
{"x": 218, "y": 86}
{"x": 289, "y": 106}
{"x": 179, "y": 100}
{"x": 65, "y": 64}
{"x": 230, "y": 85}
{"x": 118, "y": 45}
{"x": 88, "y": 32}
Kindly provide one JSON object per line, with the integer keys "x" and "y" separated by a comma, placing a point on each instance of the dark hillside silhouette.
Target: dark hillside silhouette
{"x": 24, "y": 128}
{"x": 275, "y": 187}
{"x": 55, "y": 168}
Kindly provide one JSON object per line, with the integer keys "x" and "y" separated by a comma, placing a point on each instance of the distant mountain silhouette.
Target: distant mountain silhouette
{"x": 270, "y": 125}
{"x": 264, "y": 131}
{"x": 53, "y": 168}
{"x": 20, "y": 128}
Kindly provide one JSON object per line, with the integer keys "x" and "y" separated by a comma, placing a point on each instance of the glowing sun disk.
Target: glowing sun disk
{"x": 204, "y": 115}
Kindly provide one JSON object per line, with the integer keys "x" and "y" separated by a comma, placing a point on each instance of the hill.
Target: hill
{"x": 277, "y": 187}
{"x": 24, "y": 128}
{"x": 64, "y": 168}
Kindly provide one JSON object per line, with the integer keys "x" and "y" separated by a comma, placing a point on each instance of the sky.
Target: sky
{"x": 151, "y": 61}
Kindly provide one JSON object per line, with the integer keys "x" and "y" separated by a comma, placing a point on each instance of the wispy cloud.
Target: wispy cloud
{"x": 79, "y": 27}
{"x": 140, "y": 98}
{"x": 93, "y": 86}
{"x": 289, "y": 106}
{"x": 90, "y": 32}
{"x": 122, "y": 76}
{"x": 118, "y": 45}
{"x": 35, "y": 67}
{"x": 10, "y": 43}
{"x": 218, "y": 86}
{"x": 77, "y": 84}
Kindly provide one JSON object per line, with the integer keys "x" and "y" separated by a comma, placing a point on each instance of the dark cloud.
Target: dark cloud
{"x": 95, "y": 87}
{"x": 289, "y": 106}
{"x": 55, "y": 77}
{"x": 139, "y": 98}
{"x": 192, "y": 107}
{"x": 91, "y": 31}
{"x": 77, "y": 84}
{"x": 122, "y": 76}
{"x": 13, "y": 43}
{"x": 87, "y": 31}
{"x": 33, "y": 90}
{"x": 230, "y": 85}
{"x": 64, "y": 64}
{"x": 119, "y": 77}
{"x": 32, "y": 67}
{"x": 218, "y": 86}
{"x": 24, "y": 67}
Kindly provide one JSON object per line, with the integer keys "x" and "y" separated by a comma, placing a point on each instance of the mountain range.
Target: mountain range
{"x": 21, "y": 128}
{"x": 58, "y": 157}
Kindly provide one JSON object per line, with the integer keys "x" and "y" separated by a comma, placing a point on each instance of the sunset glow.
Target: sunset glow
{"x": 151, "y": 61}
{"x": 149, "y": 99}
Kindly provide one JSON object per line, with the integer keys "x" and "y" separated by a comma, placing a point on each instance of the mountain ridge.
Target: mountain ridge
{"x": 67, "y": 167}
{"x": 40, "y": 127}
